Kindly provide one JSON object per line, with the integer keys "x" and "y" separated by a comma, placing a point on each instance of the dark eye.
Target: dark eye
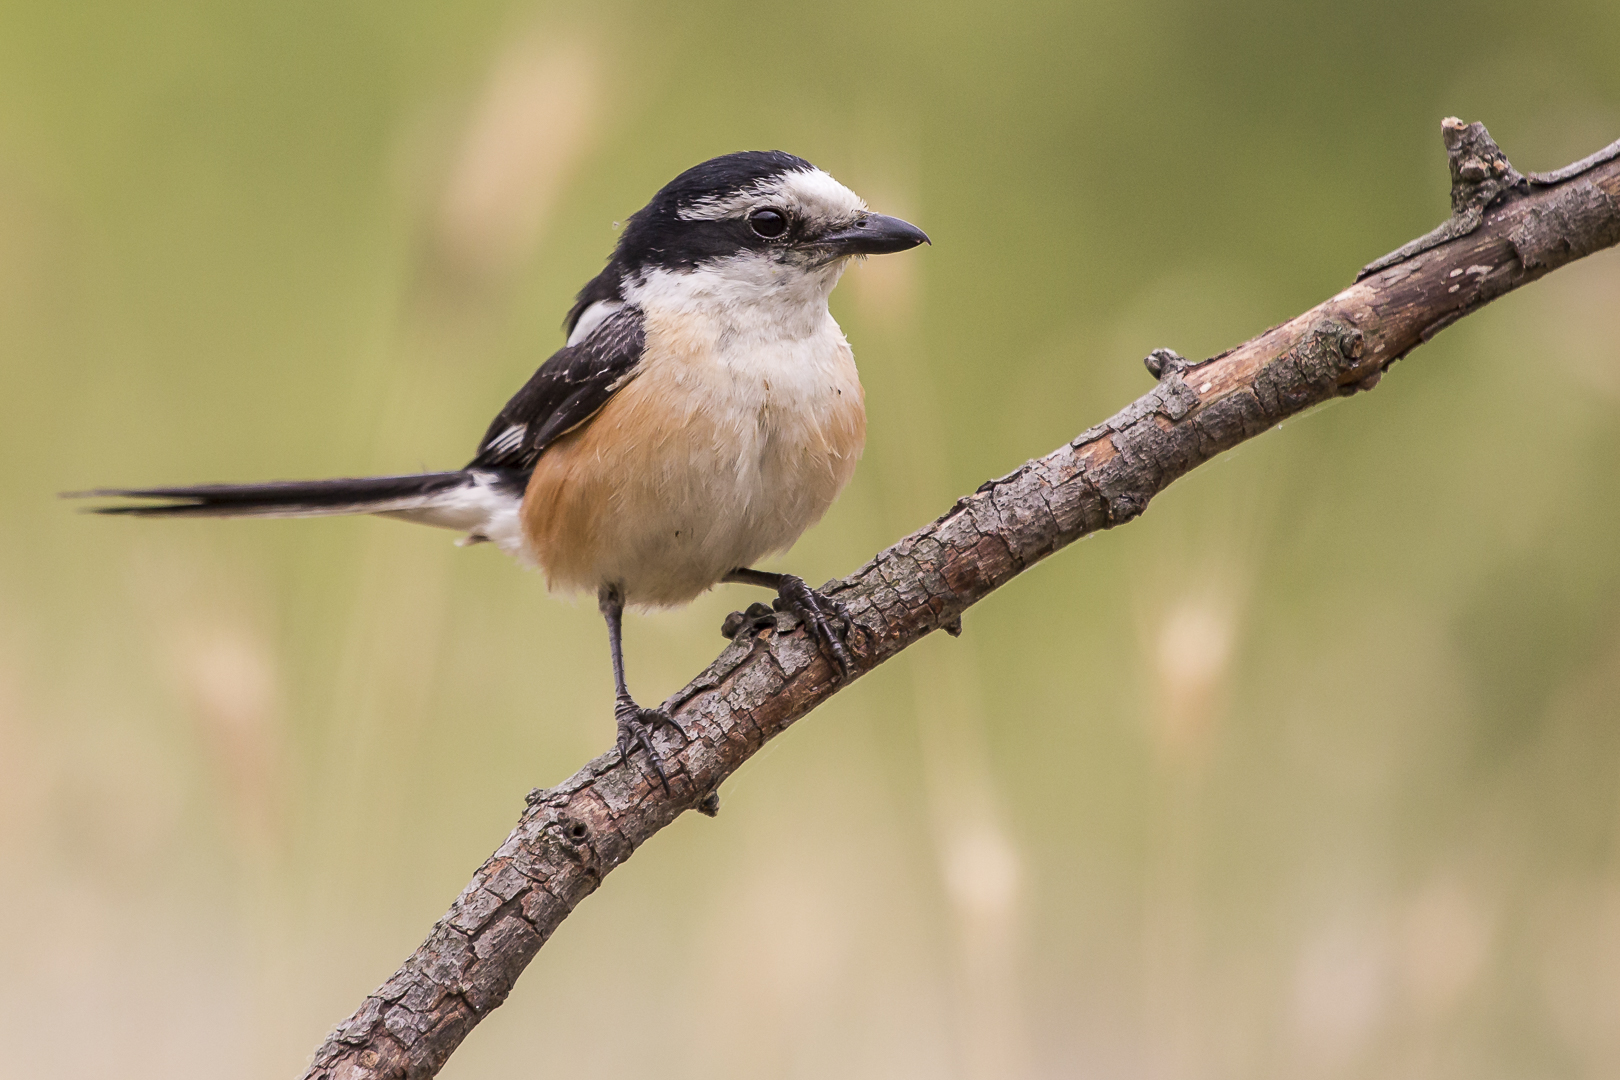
{"x": 768, "y": 223}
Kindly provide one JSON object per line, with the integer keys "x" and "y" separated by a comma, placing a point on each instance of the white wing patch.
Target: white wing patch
{"x": 591, "y": 318}
{"x": 508, "y": 440}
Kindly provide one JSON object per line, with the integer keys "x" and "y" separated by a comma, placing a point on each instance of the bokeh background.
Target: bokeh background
{"x": 1312, "y": 772}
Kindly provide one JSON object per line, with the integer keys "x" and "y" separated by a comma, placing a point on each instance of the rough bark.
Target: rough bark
{"x": 1506, "y": 231}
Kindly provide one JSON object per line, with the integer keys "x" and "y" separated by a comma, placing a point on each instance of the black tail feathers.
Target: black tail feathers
{"x": 288, "y": 498}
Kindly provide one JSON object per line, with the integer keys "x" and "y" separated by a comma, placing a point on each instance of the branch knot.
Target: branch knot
{"x": 1162, "y": 362}
{"x": 1480, "y": 175}
{"x": 1480, "y": 172}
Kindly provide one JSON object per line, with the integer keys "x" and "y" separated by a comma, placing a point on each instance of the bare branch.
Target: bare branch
{"x": 1506, "y": 231}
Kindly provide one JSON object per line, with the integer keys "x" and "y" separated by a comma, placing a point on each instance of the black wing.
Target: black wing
{"x": 568, "y": 390}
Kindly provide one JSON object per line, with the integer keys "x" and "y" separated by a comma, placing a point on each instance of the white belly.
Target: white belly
{"x": 734, "y": 439}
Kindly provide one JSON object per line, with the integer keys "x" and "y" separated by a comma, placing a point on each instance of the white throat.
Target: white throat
{"x": 755, "y": 296}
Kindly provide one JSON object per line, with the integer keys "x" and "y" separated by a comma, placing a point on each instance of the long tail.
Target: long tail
{"x": 285, "y": 498}
{"x": 482, "y": 502}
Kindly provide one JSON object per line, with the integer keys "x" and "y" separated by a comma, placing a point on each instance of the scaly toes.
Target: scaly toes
{"x": 818, "y": 611}
{"x": 654, "y": 717}
{"x": 636, "y": 726}
{"x": 833, "y": 642}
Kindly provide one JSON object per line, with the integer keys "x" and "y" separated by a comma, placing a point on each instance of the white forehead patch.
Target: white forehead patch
{"x": 810, "y": 195}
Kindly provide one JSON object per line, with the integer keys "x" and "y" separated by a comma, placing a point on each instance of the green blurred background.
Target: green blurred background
{"x": 1312, "y": 772}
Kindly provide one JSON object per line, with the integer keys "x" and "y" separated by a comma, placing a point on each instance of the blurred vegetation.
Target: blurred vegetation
{"x": 1311, "y": 772}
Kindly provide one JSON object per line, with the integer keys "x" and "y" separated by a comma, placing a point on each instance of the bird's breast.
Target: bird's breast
{"x": 734, "y": 437}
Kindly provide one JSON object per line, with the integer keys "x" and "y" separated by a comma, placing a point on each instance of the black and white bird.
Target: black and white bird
{"x": 704, "y": 413}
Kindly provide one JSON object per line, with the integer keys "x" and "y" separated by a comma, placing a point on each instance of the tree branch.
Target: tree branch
{"x": 1506, "y": 231}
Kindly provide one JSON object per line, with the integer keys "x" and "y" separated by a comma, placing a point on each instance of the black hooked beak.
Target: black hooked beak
{"x": 874, "y": 234}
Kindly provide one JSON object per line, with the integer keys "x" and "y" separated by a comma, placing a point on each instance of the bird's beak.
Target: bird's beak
{"x": 874, "y": 234}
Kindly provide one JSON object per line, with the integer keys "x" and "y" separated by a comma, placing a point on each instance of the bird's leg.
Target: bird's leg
{"x": 815, "y": 609}
{"x": 636, "y": 724}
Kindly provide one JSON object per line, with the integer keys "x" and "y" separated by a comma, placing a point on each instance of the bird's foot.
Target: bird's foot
{"x": 636, "y": 727}
{"x": 819, "y": 612}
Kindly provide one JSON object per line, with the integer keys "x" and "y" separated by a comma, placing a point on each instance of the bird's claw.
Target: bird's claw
{"x": 636, "y": 727}
{"x": 818, "y": 611}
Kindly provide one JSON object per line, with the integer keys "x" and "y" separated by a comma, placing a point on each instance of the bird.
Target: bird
{"x": 704, "y": 411}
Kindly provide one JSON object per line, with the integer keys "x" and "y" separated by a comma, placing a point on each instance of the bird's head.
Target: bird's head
{"x": 760, "y": 219}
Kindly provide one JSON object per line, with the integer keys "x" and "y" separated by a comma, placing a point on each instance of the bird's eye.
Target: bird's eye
{"x": 768, "y": 223}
